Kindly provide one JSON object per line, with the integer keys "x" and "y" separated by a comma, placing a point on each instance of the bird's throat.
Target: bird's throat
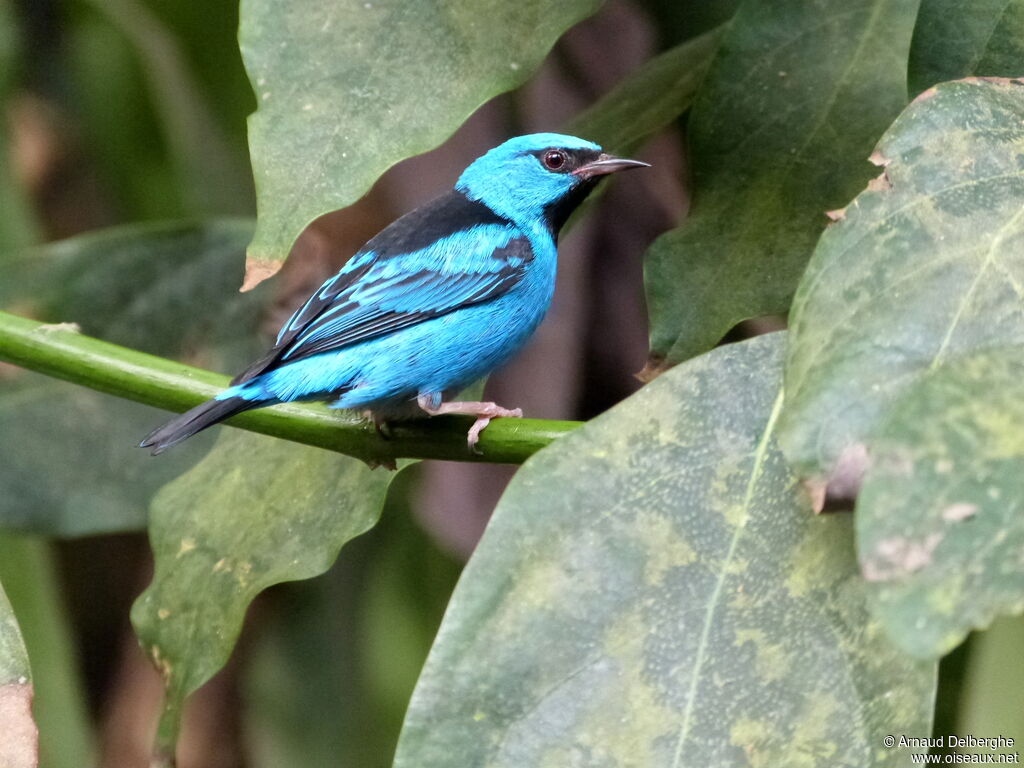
{"x": 558, "y": 212}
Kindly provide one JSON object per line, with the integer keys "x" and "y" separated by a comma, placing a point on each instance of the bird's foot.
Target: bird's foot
{"x": 484, "y": 412}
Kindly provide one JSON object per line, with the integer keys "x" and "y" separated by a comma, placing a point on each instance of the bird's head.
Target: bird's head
{"x": 539, "y": 177}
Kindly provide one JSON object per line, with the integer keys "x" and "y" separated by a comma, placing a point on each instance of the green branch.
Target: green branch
{"x": 63, "y": 353}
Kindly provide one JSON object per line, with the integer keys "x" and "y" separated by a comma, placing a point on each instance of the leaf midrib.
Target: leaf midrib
{"x": 712, "y": 606}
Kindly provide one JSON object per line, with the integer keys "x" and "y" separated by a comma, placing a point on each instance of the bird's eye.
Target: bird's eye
{"x": 554, "y": 160}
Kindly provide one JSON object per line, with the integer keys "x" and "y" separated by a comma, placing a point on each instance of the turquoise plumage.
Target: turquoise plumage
{"x": 437, "y": 300}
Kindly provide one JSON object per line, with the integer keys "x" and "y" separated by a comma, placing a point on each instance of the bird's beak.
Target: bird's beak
{"x": 607, "y": 164}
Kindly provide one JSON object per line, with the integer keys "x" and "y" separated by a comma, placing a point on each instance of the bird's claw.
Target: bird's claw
{"x": 484, "y": 418}
{"x": 484, "y": 412}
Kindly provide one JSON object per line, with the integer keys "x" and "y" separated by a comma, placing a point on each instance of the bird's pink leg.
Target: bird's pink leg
{"x": 484, "y": 412}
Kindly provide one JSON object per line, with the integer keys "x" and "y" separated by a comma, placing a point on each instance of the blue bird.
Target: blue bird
{"x": 437, "y": 300}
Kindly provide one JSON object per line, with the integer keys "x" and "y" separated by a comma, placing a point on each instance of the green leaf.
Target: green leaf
{"x": 168, "y": 289}
{"x": 19, "y": 747}
{"x": 793, "y": 102}
{"x": 654, "y": 591}
{"x": 925, "y": 266}
{"x": 650, "y": 98}
{"x": 255, "y": 512}
{"x": 347, "y": 88}
{"x": 940, "y": 518}
{"x": 331, "y": 670}
{"x": 954, "y": 39}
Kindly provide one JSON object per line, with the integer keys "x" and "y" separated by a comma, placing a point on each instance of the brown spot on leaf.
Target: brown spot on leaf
{"x": 163, "y": 666}
{"x": 815, "y": 488}
{"x": 256, "y": 271}
{"x": 848, "y": 474}
{"x": 19, "y": 737}
{"x": 898, "y": 557}
{"x": 838, "y": 492}
{"x": 837, "y": 215}
{"x": 877, "y": 158}
{"x": 880, "y": 183}
{"x": 654, "y": 367}
{"x": 962, "y": 510}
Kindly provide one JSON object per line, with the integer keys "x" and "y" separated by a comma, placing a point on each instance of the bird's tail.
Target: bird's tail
{"x": 199, "y": 418}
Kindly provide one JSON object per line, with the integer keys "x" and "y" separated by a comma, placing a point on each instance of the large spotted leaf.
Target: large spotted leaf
{"x": 940, "y": 520}
{"x": 653, "y": 591}
{"x": 797, "y": 95}
{"x": 925, "y": 266}
{"x": 347, "y": 88}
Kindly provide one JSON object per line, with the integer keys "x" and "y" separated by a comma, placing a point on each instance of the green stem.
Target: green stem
{"x": 63, "y": 353}
{"x": 167, "y": 732}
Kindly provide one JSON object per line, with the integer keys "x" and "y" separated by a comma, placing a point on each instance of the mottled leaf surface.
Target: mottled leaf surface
{"x": 796, "y": 97}
{"x": 255, "y": 512}
{"x": 654, "y": 591}
{"x": 940, "y": 518}
{"x": 347, "y": 88}
{"x": 19, "y": 738}
{"x": 168, "y": 289}
{"x": 650, "y": 98}
{"x": 954, "y": 39}
{"x": 925, "y": 266}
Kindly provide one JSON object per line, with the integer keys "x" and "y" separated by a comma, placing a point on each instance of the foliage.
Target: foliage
{"x": 901, "y": 350}
{"x": 654, "y": 588}
{"x": 296, "y": 506}
{"x": 951, "y": 451}
{"x": 329, "y": 74}
{"x": 954, "y": 39}
{"x": 935, "y": 273}
{"x": 779, "y": 133}
{"x": 142, "y": 286}
{"x": 682, "y": 594}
